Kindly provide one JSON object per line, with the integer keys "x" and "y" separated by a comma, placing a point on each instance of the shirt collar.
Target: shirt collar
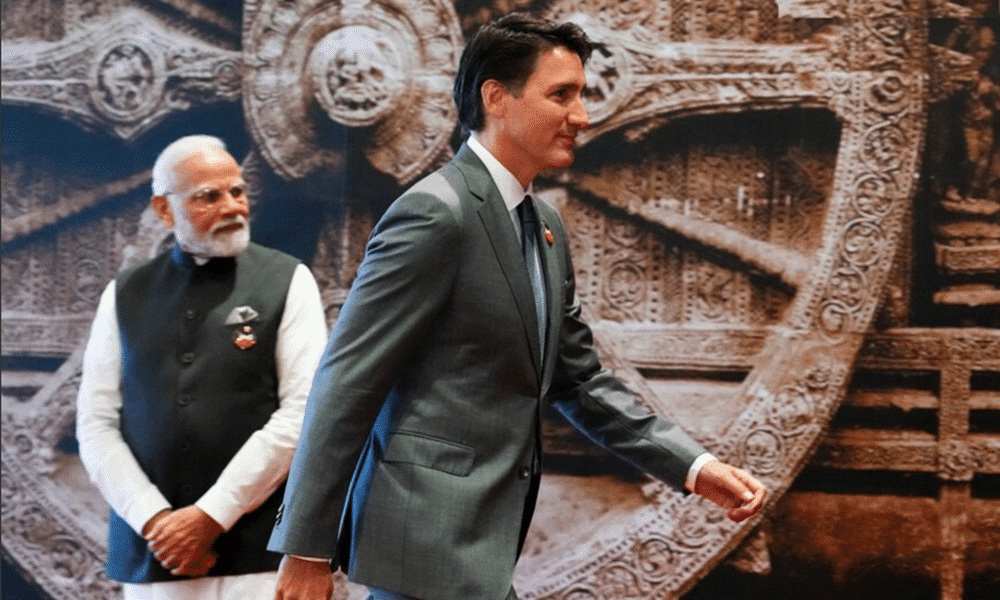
{"x": 189, "y": 262}
{"x": 510, "y": 188}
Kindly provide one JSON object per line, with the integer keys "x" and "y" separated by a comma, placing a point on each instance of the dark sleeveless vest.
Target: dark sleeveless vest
{"x": 191, "y": 396}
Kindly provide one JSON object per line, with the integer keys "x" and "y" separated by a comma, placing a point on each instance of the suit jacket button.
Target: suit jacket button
{"x": 524, "y": 472}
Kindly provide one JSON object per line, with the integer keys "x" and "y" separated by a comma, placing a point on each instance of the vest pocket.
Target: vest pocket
{"x": 433, "y": 453}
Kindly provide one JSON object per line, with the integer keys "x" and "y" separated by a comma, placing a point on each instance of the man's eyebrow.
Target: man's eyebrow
{"x": 566, "y": 85}
{"x": 207, "y": 187}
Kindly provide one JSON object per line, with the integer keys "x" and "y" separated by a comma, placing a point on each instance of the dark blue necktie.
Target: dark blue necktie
{"x": 529, "y": 244}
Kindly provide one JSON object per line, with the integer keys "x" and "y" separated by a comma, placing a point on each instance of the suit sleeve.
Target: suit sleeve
{"x": 598, "y": 404}
{"x": 401, "y": 286}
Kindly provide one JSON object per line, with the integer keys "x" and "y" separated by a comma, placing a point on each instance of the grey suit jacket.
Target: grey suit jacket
{"x": 419, "y": 457}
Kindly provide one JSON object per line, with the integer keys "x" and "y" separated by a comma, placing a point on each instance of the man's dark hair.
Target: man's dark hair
{"x": 507, "y": 50}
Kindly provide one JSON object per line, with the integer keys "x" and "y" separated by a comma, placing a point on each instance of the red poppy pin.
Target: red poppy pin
{"x": 244, "y": 338}
{"x": 548, "y": 234}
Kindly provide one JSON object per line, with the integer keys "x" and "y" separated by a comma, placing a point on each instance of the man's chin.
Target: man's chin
{"x": 235, "y": 242}
{"x": 232, "y": 243}
{"x": 562, "y": 160}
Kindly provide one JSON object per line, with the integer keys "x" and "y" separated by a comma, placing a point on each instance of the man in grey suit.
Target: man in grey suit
{"x": 419, "y": 461}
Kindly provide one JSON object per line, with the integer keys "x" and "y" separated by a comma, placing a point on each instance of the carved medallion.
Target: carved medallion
{"x": 125, "y": 74}
{"x": 128, "y": 80}
{"x": 320, "y": 70}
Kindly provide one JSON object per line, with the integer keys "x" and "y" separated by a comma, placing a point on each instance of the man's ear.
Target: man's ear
{"x": 162, "y": 208}
{"x": 494, "y": 96}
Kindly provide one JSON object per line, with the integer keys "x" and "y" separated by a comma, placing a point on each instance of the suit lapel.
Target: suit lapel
{"x": 500, "y": 231}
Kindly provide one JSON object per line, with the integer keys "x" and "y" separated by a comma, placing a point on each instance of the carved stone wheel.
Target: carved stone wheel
{"x": 869, "y": 71}
{"x": 336, "y": 67}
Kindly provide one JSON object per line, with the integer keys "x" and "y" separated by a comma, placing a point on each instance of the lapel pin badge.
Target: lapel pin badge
{"x": 548, "y": 234}
{"x": 241, "y": 314}
{"x": 244, "y": 338}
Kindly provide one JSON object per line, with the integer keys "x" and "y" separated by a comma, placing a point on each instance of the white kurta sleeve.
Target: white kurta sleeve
{"x": 261, "y": 464}
{"x": 105, "y": 455}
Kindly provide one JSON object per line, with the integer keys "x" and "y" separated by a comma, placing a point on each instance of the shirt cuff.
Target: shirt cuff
{"x": 692, "y": 475}
{"x": 145, "y": 506}
{"x": 216, "y": 506}
{"x": 309, "y": 558}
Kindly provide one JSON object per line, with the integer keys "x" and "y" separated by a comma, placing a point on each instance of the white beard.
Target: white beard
{"x": 211, "y": 244}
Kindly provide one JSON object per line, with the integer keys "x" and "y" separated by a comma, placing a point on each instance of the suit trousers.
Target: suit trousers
{"x": 377, "y": 594}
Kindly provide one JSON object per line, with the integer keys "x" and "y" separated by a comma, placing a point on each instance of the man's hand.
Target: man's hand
{"x": 735, "y": 490}
{"x": 153, "y": 521}
{"x": 182, "y": 540}
{"x": 300, "y": 579}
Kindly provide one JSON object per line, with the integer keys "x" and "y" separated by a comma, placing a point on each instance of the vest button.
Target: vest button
{"x": 189, "y": 314}
{"x": 524, "y": 472}
{"x": 185, "y": 446}
{"x": 187, "y": 358}
{"x": 187, "y": 489}
{"x": 184, "y": 399}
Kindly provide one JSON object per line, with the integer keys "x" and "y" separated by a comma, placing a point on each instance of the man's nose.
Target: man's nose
{"x": 578, "y": 116}
{"x": 235, "y": 205}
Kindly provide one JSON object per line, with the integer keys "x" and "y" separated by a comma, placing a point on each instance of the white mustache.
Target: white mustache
{"x": 234, "y": 220}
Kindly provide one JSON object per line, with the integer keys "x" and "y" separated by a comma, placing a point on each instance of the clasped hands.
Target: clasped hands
{"x": 181, "y": 540}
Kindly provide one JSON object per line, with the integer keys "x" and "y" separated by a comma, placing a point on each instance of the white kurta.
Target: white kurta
{"x": 252, "y": 475}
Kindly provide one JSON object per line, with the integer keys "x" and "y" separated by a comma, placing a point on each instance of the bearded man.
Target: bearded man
{"x": 194, "y": 381}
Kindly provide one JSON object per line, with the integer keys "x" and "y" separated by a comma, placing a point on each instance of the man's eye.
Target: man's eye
{"x": 208, "y": 196}
{"x": 236, "y": 192}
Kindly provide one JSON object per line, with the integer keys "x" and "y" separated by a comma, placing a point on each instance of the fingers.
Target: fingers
{"x": 181, "y": 541}
{"x": 167, "y": 549}
{"x": 152, "y": 523}
{"x": 747, "y": 510}
{"x": 752, "y": 494}
{"x": 189, "y": 565}
{"x": 735, "y": 490}
{"x": 199, "y": 566}
{"x": 182, "y": 557}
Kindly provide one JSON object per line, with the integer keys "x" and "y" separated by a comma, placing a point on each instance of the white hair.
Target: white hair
{"x": 176, "y": 153}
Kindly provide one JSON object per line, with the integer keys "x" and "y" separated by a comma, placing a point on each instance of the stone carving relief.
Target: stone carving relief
{"x": 125, "y": 75}
{"x": 967, "y": 246}
{"x": 717, "y": 254}
{"x": 833, "y": 301}
{"x": 384, "y": 68}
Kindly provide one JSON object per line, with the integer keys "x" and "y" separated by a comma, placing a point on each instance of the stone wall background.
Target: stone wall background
{"x": 785, "y": 222}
